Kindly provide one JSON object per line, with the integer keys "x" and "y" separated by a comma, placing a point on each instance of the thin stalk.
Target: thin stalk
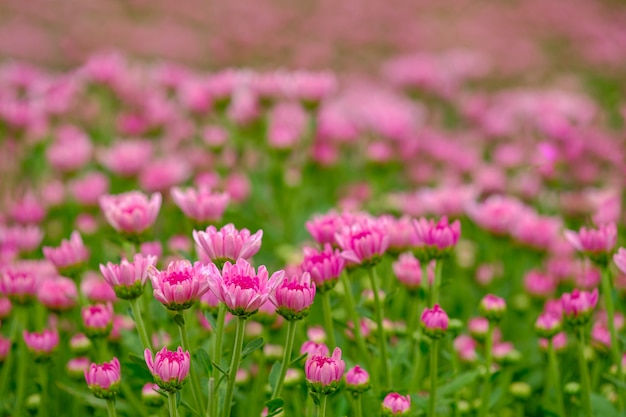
{"x": 193, "y": 376}
{"x": 584, "y": 372}
{"x": 322, "y": 410}
{"x": 556, "y": 378}
{"x": 434, "y": 290}
{"x": 607, "y": 292}
{"x": 210, "y": 400}
{"x": 234, "y": 365}
{"x": 328, "y": 320}
{"x": 382, "y": 342}
{"x": 22, "y": 362}
{"x": 414, "y": 333}
{"x": 7, "y": 365}
{"x": 43, "y": 381}
{"x": 111, "y": 408}
{"x": 141, "y": 327}
{"x": 351, "y": 312}
{"x": 358, "y": 406}
{"x": 291, "y": 336}
{"x": 171, "y": 403}
{"x": 432, "y": 399}
{"x": 484, "y": 405}
{"x": 217, "y": 354}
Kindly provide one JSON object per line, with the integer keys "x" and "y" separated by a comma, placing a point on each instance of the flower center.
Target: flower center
{"x": 177, "y": 277}
{"x": 244, "y": 282}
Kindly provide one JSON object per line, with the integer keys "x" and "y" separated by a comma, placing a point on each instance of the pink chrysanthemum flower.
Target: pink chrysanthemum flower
{"x": 132, "y": 212}
{"x": 104, "y": 379}
{"x": 228, "y": 243}
{"x": 181, "y": 285}
{"x": 169, "y": 369}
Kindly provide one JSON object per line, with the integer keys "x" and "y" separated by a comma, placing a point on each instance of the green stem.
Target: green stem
{"x": 434, "y": 290}
{"x": 217, "y": 354}
{"x": 328, "y": 320}
{"x": 382, "y": 342}
{"x": 607, "y": 292}
{"x": 584, "y": 372}
{"x": 351, "y": 312}
{"x": 414, "y": 335}
{"x": 7, "y": 365}
{"x": 211, "y": 391}
{"x": 358, "y": 406}
{"x": 43, "y": 381}
{"x": 111, "y": 408}
{"x": 432, "y": 399}
{"x": 171, "y": 402}
{"x": 193, "y": 376}
{"x": 291, "y": 336}
{"x": 234, "y": 365}
{"x": 486, "y": 396}
{"x": 141, "y": 327}
{"x": 22, "y": 362}
{"x": 322, "y": 410}
{"x": 556, "y": 378}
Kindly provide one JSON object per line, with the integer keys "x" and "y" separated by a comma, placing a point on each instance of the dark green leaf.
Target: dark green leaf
{"x": 274, "y": 374}
{"x": 89, "y": 399}
{"x": 458, "y": 383}
{"x": 219, "y": 368}
{"x": 136, "y": 359}
{"x": 179, "y": 320}
{"x": 274, "y": 405}
{"x": 252, "y": 346}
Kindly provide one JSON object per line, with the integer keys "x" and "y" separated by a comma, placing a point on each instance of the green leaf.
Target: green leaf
{"x": 316, "y": 398}
{"x": 274, "y": 406}
{"x": 204, "y": 360}
{"x": 602, "y": 407}
{"x": 219, "y": 368}
{"x": 136, "y": 359}
{"x": 179, "y": 320}
{"x": 89, "y": 399}
{"x": 458, "y": 383}
{"x": 186, "y": 405}
{"x": 298, "y": 359}
{"x": 211, "y": 319}
{"x": 274, "y": 374}
{"x": 252, "y": 346}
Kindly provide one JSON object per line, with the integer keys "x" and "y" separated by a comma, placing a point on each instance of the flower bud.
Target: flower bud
{"x": 395, "y": 404}
{"x": 357, "y": 380}
{"x": 492, "y": 307}
{"x": 434, "y": 322}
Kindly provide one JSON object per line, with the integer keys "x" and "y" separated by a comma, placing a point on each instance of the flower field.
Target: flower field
{"x": 433, "y": 239}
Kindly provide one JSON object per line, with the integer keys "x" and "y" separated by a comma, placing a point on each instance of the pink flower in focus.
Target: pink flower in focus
{"x": 201, "y": 205}
{"x": 228, "y": 243}
{"x": 58, "y": 294}
{"x": 435, "y": 240}
{"x": 323, "y": 373}
{"x": 131, "y": 212}
{"x": 69, "y": 255}
{"x": 241, "y": 288}
{"x": 363, "y": 243}
{"x": 181, "y": 285}
{"x": 597, "y": 244}
{"x": 128, "y": 278}
{"x": 97, "y": 319}
{"x": 169, "y": 369}
{"x": 293, "y": 297}
{"x": 325, "y": 266}
{"x": 395, "y": 404}
{"x": 357, "y": 380}
{"x": 41, "y": 344}
{"x": 104, "y": 379}
{"x": 434, "y": 321}
{"x": 579, "y": 305}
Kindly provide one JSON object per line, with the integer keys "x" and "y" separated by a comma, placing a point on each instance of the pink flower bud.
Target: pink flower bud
{"x": 201, "y": 205}
{"x": 548, "y": 324}
{"x": 241, "y": 288}
{"x": 363, "y": 243}
{"x": 41, "y": 344}
{"x": 19, "y": 282}
{"x": 76, "y": 367}
{"x": 181, "y": 285}
{"x": 131, "y": 212}
{"x": 169, "y": 369}
{"x": 408, "y": 270}
{"x": 435, "y": 240}
{"x": 104, "y": 379}
{"x": 478, "y": 327}
{"x": 597, "y": 244}
{"x": 97, "y": 319}
{"x": 357, "y": 380}
{"x": 58, "y": 294}
{"x": 492, "y": 307}
{"x": 150, "y": 395}
{"x": 69, "y": 255}
{"x": 293, "y": 297}
{"x": 128, "y": 278}
{"x": 325, "y": 266}
{"x": 539, "y": 285}
{"x": 323, "y": 373}
{"x": 227, "y": 244}
{"x": 434, "y": 321}
{"x": 579, "y": 305}
{"x": 395, "y": 404}
{"x": 465, "y": 347}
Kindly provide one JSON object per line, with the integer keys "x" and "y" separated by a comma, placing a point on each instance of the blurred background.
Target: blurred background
{"x": 528, "y": 38}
